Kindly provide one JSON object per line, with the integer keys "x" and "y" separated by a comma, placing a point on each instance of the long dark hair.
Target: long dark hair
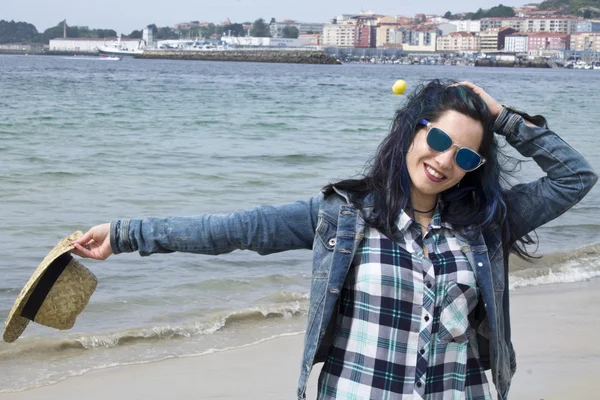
{"x": 478, "y": 201}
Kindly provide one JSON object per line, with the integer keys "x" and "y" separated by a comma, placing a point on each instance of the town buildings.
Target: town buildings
{"x": 531, "y": 32}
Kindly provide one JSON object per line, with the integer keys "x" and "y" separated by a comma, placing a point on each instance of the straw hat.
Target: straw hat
{"x": 56, "y": 293}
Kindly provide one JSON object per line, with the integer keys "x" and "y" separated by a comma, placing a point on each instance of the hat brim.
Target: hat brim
{"x": 15, "y": 323}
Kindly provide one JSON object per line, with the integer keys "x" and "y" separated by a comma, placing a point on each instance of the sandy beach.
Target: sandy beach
{"x": 553, "y": 331}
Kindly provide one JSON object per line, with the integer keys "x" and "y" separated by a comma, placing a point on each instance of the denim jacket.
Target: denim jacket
{"x": 333, "y": 228}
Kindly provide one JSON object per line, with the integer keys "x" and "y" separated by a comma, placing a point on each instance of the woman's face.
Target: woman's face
{"x": 432, "y": 172}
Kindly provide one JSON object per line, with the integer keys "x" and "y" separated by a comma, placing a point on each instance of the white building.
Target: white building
{"x": 467, "y": 26}
{"x": 344, "y": 18}
{"x": 588, "y": 26}
{"x": 447, "y": 28}
{"x": 90, "y": 45}
{"x": 21, "y": 47}
{"x": 421, "y": 40}
{"x": 250, "y": 41}
{"x": 340, "y": 34}
{"x": 148, "y": 37}
{"x": 276, "y": 28}
{"x": 516, "y": 43}
{"x": 558, "y": 25}
{"x": 538, "y": 24}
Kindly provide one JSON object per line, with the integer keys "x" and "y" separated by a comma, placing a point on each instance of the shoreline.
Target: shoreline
{"x": 287, "y": 56}
{"x": 551, "y": 325}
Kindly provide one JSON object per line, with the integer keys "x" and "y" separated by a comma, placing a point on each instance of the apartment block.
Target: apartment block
{"x": 339, "y": 34}
{"x": 516, "y": 43}
{"x": 540, "y": 24}
{"x": 548, "y": 41}
{"x": 589, "y": 41}
{"x": 458, "y": 42}
{"x": 276, "y": 27}
{"x": 387, "y": 35}
{"x": 588, "y": 26}
{"x": 423, "y": 39}
{"x": 493, "y": 40}
{"x": 467, "y": 25}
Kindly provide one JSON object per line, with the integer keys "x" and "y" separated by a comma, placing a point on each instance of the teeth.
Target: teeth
{"x": 434, "y": 172}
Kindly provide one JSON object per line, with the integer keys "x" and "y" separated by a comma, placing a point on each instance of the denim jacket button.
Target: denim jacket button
{"x": 480, "y": 264}
{"x": 332, "y": 242}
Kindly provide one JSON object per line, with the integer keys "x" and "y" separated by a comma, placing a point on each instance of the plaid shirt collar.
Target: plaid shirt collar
{"x": 405, "y": 221}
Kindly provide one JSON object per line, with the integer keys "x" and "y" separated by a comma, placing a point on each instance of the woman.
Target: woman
{"x": 409, "y": 292}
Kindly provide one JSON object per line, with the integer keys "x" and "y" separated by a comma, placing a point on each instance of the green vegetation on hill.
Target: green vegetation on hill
{"x": 23, "y": 32}
{"x": 582, "y": 8}
{"x": 77, "y": 32}
{"x": 260, "y": 29}
{"x": 498, "y": 11}
{"x": 17, "y": 32}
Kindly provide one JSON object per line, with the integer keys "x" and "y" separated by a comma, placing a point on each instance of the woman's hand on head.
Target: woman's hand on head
{"x": 491, "y": 103}
{"x": 95, "y": 243}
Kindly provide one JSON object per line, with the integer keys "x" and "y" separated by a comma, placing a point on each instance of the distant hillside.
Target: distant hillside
{"x": 584, "y": 8}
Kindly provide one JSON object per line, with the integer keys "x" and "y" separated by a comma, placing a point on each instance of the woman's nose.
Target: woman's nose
{"x": 445, "y": 159}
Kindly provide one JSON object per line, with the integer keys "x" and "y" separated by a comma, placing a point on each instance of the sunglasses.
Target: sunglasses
{"x": 438, "y": 140}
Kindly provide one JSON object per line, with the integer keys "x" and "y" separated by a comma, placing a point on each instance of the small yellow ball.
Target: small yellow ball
{"x": 399, "y": 87}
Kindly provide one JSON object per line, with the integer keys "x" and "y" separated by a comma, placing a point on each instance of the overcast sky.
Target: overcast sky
{"x": 127, "y": 15}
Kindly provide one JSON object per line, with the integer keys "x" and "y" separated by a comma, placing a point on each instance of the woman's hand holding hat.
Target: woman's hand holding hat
{"x": 95, "y": 243}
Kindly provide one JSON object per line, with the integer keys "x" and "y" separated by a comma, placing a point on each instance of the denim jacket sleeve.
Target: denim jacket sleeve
{"x": 569, "y": 177}
{"x": 264, "y": 229}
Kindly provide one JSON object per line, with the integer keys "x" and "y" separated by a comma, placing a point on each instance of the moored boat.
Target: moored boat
{"x": 121, "y": 49}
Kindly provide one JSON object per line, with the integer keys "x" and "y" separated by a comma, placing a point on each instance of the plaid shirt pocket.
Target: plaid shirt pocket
{"x": 459, "y": 301}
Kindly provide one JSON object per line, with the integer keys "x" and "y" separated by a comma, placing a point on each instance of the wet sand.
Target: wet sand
{"x": 555, "y": 331}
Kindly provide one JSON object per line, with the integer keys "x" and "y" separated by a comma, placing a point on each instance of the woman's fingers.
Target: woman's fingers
{"x": 95, "y": 243}
{"x": 81, "y": 251}
{"x": 85, "y": 238}
{"x": 494, "y": 107}
{"x": 96, "y": 252}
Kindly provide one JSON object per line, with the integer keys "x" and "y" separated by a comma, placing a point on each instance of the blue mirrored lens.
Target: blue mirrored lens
{"x": 438, "y": 140}
{"x": 467, "y": 159}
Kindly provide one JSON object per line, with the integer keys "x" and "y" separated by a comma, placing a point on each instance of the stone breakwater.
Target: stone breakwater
{"x": 269, "y": 56}
{"x": 517, "y": 63}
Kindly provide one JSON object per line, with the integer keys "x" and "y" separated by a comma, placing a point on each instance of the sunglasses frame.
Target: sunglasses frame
{"x": 429, "y": 127}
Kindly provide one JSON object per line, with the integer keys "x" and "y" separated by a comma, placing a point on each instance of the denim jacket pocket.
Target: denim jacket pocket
{"x": 327, "y": 231}
{"x": 459, "y": 301}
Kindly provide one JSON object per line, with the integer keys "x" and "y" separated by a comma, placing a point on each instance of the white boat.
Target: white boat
{"x": 110, "y": 58}
{"x": 121, "y": 49}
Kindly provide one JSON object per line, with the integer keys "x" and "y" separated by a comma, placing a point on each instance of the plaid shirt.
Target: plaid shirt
{"x": 402, "y": 325}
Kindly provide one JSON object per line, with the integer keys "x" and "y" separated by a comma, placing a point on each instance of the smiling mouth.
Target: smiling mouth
{"x": 433, "y": 174}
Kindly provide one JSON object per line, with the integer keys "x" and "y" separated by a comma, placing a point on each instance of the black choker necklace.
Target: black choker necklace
{"x": 425, "y": 212}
